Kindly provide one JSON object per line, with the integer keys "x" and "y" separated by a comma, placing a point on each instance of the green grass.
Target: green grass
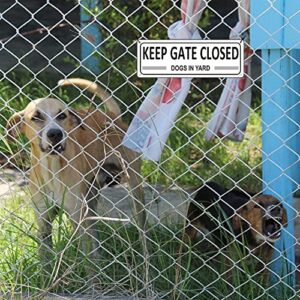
{"x": 175, "y": 271}
{"x": 189, "y": 159}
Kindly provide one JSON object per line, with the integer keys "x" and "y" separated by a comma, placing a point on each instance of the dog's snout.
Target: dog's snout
{"x": 276, "y": 211}
{"x": 55, "y": 135}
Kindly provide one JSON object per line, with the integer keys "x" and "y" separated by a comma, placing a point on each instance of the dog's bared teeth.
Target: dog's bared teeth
{"x": 58, "y": 148}
{"x": 274, "y": 235}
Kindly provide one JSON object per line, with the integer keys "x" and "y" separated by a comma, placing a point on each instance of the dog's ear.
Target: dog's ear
{"x": 15, "y": 126}
{"x": 284, "y": 217}
{"x": 236, "y": 220}
{"x": 76, "y": 119}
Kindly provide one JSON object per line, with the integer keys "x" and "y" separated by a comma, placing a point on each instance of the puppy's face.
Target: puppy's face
{"x": 265, "y": 215}
{"x": 45, "y": 122}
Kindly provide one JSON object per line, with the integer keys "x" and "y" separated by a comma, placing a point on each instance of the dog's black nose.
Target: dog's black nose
{"x": 55, "y": 136}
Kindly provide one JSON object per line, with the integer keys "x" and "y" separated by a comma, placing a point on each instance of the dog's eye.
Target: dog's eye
{"x": 37, "y": 118}
{"x": 61, "y": 116}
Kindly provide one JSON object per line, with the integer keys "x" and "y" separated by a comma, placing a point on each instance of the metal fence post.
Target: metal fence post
{"x": 90, "y": 35}
{"x": 280, "y": 115}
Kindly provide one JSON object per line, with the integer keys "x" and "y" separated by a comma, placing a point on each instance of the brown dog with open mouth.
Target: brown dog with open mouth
{"x": 222, "y": 215}
{"x": 73, "y": 152}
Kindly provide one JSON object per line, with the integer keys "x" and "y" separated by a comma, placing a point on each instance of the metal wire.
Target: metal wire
{"x": 99, "y": 247}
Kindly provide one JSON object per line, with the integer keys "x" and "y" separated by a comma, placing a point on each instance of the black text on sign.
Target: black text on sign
{"x": 189, "y": 58}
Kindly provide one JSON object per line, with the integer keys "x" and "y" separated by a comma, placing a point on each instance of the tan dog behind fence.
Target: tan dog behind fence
{"x": 70, "y": 150}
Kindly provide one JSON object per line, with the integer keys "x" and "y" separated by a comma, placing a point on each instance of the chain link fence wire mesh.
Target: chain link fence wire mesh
{"x": 81, "y": 216}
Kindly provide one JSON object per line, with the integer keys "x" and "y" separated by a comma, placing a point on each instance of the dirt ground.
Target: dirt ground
{"x": 164, "y": 204}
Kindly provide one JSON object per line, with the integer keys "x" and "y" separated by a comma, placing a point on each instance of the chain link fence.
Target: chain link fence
{"x": 82, "y": 216}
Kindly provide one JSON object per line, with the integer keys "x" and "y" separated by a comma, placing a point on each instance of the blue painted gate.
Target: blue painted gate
{"x": 275, "y": 29}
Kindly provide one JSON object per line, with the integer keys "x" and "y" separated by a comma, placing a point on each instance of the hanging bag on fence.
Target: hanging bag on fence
{"x": 231, "y": 114}
{"x": 150, "y": 128}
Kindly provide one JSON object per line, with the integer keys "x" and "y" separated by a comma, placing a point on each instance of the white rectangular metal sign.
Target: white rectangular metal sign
{"x": 190, "y": 58}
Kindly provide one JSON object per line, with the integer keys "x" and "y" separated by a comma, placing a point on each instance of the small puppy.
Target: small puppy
{"x": 73, "y": 154}
{"x": 223, "y": 215}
